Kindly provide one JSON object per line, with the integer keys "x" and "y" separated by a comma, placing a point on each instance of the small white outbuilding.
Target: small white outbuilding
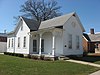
{"x": 3, "y": 42}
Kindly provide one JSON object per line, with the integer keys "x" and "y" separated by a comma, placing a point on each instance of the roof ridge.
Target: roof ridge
{"x": 59, "y": 16}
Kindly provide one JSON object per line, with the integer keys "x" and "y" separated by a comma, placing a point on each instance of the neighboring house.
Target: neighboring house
{"x": 58, "y": 36}
{"x": 3, "y": 42}
{"x": 91, "y": 42}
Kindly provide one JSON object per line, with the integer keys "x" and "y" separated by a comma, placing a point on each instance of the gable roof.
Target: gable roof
{"x": 32, "y": 24}
{"x": 86, "y": 36}
{"x": 59, "y": 21}
{"x": 94, "y": 37}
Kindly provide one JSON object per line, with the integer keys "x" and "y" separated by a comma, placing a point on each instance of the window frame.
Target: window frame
{"x": 18, "y": 42}
{"x": 24, "y": 42}
{"x": 77, "y": 42}
{"x": 70, "y": 41}
{"x": 12, "y": 45}
{"x": 42, "y": 45}
{"x": 34, "y": 44}
{"x": 21, "y": 27}
{"x": 9, "y": 44}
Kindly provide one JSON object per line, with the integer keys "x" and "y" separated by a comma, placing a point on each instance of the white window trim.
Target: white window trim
{"x": 77, "y": 42}
{"x": 18, "y": 43}
{"x": 70, "y": 40}
{"x": 12, "y": 43}
{"x": 9, "y": 43}
{"x": 24, "y": 42}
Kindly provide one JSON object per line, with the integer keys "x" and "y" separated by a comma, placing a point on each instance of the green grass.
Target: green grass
{"x": 10, "y": 65}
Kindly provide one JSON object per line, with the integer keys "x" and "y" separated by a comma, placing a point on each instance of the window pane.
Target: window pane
{"x": 24, "y": 42}
{"x": 9, "y": 43}
{"x": 18, "y": 41}
{"x": 12, "y": 42}
{"x": 42, "y": 45}
{"x": 34, "y": 45}
{"x": 70, "y": 41}
{"x": 77, "y": 42}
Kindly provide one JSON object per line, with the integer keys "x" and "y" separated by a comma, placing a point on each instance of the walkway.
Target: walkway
{"x": 83, "y": 62}
{"x": 96, "y": 73}
{"x": 1, "y": 53}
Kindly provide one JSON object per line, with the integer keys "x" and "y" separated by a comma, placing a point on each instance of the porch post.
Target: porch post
{"x": 53, "y": 45}
{"x": 40, "y": 44}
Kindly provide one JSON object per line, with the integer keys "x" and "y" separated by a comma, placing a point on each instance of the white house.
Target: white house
{"x": 3, "y": 42}
{"x": 54, "y": 37}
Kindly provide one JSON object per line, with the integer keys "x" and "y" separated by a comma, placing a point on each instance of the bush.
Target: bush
{"x": 20, "y": 55}
{"x": 85, "y": 53}
{"x": 48, "y": 59}
{"x": 42, "y": 57}
{"x": 14, "y": 54}
{"x": 6, "y": 53}
{"x": 29, "y": 56}
{"x": 34, "y": 57}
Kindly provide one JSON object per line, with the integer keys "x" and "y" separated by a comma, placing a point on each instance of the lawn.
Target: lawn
{"x": 10, "y": 65}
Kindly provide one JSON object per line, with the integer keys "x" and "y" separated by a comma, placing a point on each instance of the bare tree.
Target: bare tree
{"x": 40, "y": 10}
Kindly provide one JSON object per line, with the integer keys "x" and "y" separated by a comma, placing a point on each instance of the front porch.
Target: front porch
{"x": 44, "y": 42}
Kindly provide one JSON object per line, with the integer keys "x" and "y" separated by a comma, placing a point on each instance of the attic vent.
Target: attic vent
{"x": 61, "y": 27}
{"x": 74, "y": 15}
{"x": 21, "y": 19}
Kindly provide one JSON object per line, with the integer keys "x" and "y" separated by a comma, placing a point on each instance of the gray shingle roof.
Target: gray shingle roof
{"x": 3, "y": 34}
{"x": 32, "y": 24}
{"x": 94, "y": 37}
{"x": 58, "y": 21}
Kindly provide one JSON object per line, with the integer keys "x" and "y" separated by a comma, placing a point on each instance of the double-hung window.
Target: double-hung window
{"x": 9, "y": 43}
{"x": 34, "y": 45}
{"x": 77, "y": 42}
{"x": 18, "y": 42}
{"x": 24, "y": 42}
{"x": 70, "y": 41}
{"x": 12, "y": 43}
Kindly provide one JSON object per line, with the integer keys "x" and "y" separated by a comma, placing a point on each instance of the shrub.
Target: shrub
{"x": 20, "y": 55}
{"x": 42, "y": 57}
{"x": 29, "y": 56}
{"x": 48, "y": 59}
{"x": 34, "y": 57}
{"x": 16, "y": 54}
{"x": 13, "y": 54}
{"x": 5, "y": 53}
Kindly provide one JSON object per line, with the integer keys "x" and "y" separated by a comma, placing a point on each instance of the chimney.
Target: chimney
{"x": 4, "y": 31}
{"x": 92, "y": 31}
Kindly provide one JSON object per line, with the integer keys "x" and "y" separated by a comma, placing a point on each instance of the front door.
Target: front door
{"x": 34, "y": 45}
